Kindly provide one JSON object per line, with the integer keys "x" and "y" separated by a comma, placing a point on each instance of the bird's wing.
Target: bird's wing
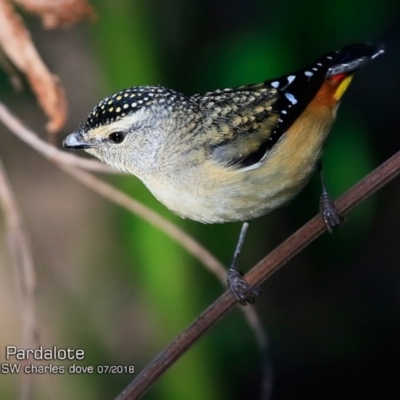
{"x": 247, "y": 121}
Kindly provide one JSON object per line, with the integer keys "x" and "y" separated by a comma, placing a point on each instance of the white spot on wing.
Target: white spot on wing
{"x": 291, "y": 98}
{"x": 308, "y": 73}
{"x": 291, "y": 78}
{"x": 275, "y": 84}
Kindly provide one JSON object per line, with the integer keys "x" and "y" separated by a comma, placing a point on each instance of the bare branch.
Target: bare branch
{"x": 18, "y": 242}
{"x": 258, "y": 274}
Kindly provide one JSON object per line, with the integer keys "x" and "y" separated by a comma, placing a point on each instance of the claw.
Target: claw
{"x": 330, "y": 213}
{"x": 243, "y": 292}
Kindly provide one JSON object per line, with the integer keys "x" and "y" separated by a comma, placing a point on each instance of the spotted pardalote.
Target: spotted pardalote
{"x": 228, "y": 155}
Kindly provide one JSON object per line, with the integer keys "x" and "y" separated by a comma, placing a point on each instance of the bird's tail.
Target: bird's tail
{"x": 353, "y": 57}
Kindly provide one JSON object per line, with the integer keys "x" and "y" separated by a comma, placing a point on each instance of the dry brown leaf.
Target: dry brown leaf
{"x": 57, "y": 13}
{"x": 17, "y": 45}
{"x": 12, "y": 72}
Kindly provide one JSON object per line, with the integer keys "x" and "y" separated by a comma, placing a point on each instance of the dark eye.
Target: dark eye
{"x": 116, "y": 137}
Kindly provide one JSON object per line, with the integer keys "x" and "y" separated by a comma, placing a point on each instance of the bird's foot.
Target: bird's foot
{"x": 330, "y": 213}
{"x": 243, "y": 292}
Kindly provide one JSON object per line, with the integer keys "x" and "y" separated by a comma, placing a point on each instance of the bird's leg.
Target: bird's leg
{"x": 243, "y": 292}
{"x": 329, "y": 212}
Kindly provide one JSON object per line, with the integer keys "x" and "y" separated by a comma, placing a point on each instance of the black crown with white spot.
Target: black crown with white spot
{"x": 127, "y": 101}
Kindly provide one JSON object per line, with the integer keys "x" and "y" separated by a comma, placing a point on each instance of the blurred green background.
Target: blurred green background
{"x": 121, "y": 290}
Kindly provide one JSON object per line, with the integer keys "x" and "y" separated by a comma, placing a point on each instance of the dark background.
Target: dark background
{"x": 121, "y": 290}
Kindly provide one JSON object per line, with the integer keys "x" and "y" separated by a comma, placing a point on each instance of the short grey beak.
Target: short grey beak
{"x": 75, "y": 141}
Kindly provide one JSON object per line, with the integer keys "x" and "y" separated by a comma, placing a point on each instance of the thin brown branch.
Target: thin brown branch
{"x": 258, "y": 274}
{"x": 53, "y": 154}
{"x": 18, "y": 242}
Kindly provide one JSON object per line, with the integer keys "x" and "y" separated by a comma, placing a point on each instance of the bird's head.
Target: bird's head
{"x": 128, "y": 129}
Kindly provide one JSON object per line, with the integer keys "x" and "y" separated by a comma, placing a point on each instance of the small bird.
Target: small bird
{"x": 230, "y": 155}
